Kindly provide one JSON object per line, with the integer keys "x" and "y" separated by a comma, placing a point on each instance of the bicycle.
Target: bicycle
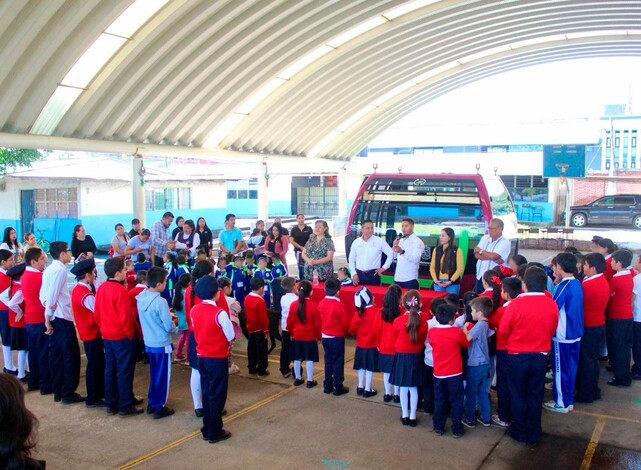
{"x": 42, "y": 242}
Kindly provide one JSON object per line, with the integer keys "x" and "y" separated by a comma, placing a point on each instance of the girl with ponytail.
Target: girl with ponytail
{"x": 390, "y": 311}
{"x": 492, "y": 286}
{"x": 303, "y": 324}
{"x": 365, "y": 325}
{"x": 410, "y": 334}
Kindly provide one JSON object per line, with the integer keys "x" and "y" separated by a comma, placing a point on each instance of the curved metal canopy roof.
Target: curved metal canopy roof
{"x": 289, "y": 77}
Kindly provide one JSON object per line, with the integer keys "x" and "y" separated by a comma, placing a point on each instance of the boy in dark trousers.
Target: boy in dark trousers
{"x": 213, "y": 332}
{"x": 236, "y": 273}
{"x": 619, "y": 328}
{"x": 596, "y": 295}
{"x": 334, "y": 325}
{"x": 529, "y": 340}
{"x": 117, "y": 322}
{"x": 447, "y": 341}
{"x": 257, "y": 328}
{"x": 278, "y": 268}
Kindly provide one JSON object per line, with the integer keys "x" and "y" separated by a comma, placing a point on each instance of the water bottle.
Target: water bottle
{"x": 315, "y": 277}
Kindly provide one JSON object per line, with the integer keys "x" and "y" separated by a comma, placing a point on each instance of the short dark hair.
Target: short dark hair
{"x": 367, "y": 221}
{"x": 445, "y": 313}
{"x": 287, "y": 283}
{"x": 32, "y": 254}
{"x": 57, "y": 248}
{"x": 167, "y": 214}
{"x": 595, "y": 260}
{"x": 114, "y": 266}
{"x": 135, "y": 221}
{"x": 435, "y": 303}
{"x": 407, "y": 219}
{"x": 566, "y": 261}
{"x": 623, "y": 256}
{"x": 535, "y": 279}
{"x": 156, "y": 276}
{"x": 118, "y": 225}
{"x": 512, "y": 286}
{"x": 229, "y": 216}
{"x": 223, "y": 282}
{"x": 519, "y": 259}
{"x": 141, "y": 258}
{"x": 276, "y": 256}
{"x": 179, "y": 218}
{"x": 141, "y": 276}
{"x": 256, "y": 283}
{"x": 145, "y": 232}
{"x": 483, "y": 304}
{"x": 332, "y": 286}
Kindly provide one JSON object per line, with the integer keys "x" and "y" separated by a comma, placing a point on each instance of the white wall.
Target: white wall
{"x": 10, "y": 198}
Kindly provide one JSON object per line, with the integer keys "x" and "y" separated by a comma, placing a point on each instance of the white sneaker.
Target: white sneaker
{"x": 234, "y": 369}
{"x": 552, "y": 406}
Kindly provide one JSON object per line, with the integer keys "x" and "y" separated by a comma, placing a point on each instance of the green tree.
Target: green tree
{"x": 13, "y": 158}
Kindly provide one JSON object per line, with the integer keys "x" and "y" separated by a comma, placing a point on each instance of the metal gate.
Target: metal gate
{"x": 317, "y": 201}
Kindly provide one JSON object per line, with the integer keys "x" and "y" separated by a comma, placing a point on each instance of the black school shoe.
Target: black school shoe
{"x": 369, "y": 393}
{"x": 10, "y": 372}
{"x": 397, "y": 398}
{"x": 327, "y": 390}
{"x": 163, "y": 412}
{"x": 263, "y": 374}
{"x": 311, "y": 383}
{"x": 405, "y": 421}
{"x": 387, "y": 398}
{"x": 133, "y": 411}
{"x": 616, "y": 383}
{"x": 96, "y": 404}
{"x": 413, "y": 423}
{"x": 75, "y": 398}
{"x": 359, "y": 391}
{"x": 223, "y": 435}
{"x": 135, "y": 401}
{"x": 298, "y": 382}
{"x": 341, "y": 391}
{"x": 199, "y": 412}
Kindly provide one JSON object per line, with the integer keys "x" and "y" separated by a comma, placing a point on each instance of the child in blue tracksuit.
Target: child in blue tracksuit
{"x": 566, "y": 342}
{"x": 236, "y": 273}
{"x": 266, "y": 275}
{"x": 278, "y": 268}
{"x": 157, "y": 327}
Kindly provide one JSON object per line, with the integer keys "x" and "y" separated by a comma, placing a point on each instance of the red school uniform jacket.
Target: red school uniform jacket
{"x": 403, "y": 343}
{"x": 210, "y": 340}
{"x": 494, "y": 322}
{"x": 608, "y": 272}
{"x": 447, "y": 341}
{"x": 489, "y": 294}
{"x": 620, "y": 304}
{"x": 256, "y": 313}
{"x": 334, "y": 317}
{"x": 189, "y": 305}
{"x": 113, "y": 312}
{"x": 132, "y": 296}
{"x": 308, "y": 331}
{"x": 366, "y": 328}
{"x": 527, "y": 332}
{"x": 5, "y": 282}
{"x": 386, "y": 338}
{"x": 596, "y": 295}
{"x": 31, "y": 282}
{"x": 15, "y": 287}
{"x": 85, "y": 322}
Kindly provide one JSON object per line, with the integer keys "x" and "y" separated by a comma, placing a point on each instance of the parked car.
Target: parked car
{"x": 619, "y": 209}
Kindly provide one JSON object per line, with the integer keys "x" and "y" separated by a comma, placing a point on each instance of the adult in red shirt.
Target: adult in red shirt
{"x": 83, "y": 301}
{"x": 37, "y": 337}
{"x": 115, "y": 318}
{"x": 596, "y": 295}
{"x": 529, "y": 340}
{"x": 304, "y": 326}
{"x": 619, "y": 327}
{"x": 334, "y": 324}
{"x": 257, "y": 327}
{"x": 213, "y": 331}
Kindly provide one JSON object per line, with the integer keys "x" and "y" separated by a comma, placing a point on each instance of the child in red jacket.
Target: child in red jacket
{"x": 257, "y": 327}
{"x": 303, "y": 325}
{"x": 334, "y": 324}
{"x": 365, "y": 326}
{"x": 390, "y": 311}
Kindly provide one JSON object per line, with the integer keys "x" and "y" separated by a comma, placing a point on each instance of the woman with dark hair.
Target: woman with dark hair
{"x": 119, "y": 242}
{"x": 447, "y": 263}
{"x": 319, "y": 253}
{"x": 82, "y": 244}
{"x": 276, "y": 242}
{"x": 10, "y": 243}
{"x": 180, "y": 220}
{"x": 206, "y": 237}
{"x": 188, "y": 239}
{"x": 18, "y": 437}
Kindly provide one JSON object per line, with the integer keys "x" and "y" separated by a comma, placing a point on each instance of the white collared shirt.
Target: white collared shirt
{"x": 54, "y": 291}
{"x": 286, "y": 302}
{"x": 224, "y": 321}
{"x": 407, "y": 263}
{"x": 88, "y": 301}
{"x": 14, "y": 302}
{"x": 366, "y": 255}
{"x": 501, "y": 245}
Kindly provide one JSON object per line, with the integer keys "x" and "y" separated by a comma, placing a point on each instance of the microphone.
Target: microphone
{"x": 399, "y": 236}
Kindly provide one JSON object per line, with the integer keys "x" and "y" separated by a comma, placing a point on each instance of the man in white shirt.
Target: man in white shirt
{"x": 365, "y": 257}
{"x": 407, "y": 251}
{"x": 492, "y": 250}
{"x": 64, "y": 351}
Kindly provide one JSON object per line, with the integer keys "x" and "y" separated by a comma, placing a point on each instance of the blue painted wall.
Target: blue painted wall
{"x": 523, "y": 216}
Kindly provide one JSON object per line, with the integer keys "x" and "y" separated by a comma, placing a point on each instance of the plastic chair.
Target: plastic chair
{"x": 537, "y": 211}
{"x": 526, "y": 212}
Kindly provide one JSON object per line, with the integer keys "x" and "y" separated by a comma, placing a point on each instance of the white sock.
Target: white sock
{"x": 397, "y": 390}
{"x": 388, "y": 386}
{"x": 27, "y": 362}
{"x": 413, "y": 402}
{"x": 361, "y": 378}
{"x": 196, "y": 392}
{"x": 8, "y": 358}
{"x": 368, "y": 380}
{"x": 310, "y": 371}
{"x": 22, "y": 360}
{"x": 405, "y": 409}
{"x": 297, "y": 371}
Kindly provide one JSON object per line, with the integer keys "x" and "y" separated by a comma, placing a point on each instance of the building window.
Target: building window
{"x": 526, "y": 187}
{"x": 242, "y": 189}
{"x": 167, "y": 199}
{"x": 59, "y": 203}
